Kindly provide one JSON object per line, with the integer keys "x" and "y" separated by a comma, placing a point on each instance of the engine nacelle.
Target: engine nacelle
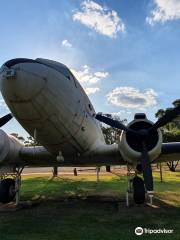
{"x": 9, "y": 148}
{"x": 130, "y": 147}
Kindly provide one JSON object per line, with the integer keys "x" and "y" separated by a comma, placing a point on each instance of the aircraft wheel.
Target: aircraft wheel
{"x": 7, "y": 190}
{"x": 138, "y": 190}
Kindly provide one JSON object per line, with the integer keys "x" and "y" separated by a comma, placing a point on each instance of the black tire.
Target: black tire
{"x": 138, "y": 190}
{"x": 7, "y": 190}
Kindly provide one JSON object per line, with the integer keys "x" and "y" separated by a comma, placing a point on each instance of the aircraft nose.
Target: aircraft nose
{"x": 21, "y": 79}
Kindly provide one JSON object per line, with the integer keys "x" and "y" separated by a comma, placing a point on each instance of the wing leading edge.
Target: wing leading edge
{"x": 169, "y": 152}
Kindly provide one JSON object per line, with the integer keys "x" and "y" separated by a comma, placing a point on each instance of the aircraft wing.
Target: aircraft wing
{"x": 101, "y": 156}
{"x": 169, "y": 152}
{"x": 14, "y": 153}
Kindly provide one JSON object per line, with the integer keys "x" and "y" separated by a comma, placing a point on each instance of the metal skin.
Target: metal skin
{"x": 44, "y": 99}
{"x": 54, "y": 105}
{"x": 9, "y": 148}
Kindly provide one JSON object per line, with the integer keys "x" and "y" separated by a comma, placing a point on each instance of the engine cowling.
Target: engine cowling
{"x": 130, "y": 147}
{"x": 9, "y": 148}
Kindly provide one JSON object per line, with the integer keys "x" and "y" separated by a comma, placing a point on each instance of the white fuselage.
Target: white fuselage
{"x": 52, "y": 105}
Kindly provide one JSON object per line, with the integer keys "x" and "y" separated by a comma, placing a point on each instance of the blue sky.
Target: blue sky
{"x": 125, "y": 53}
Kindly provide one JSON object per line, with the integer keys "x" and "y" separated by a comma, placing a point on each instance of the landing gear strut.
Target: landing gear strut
{"x": 130, "y": 175}
{"x": 10, "y": 184}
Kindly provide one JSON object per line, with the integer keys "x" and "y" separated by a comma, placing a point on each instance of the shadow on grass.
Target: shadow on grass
{"x": 82, "y": 209}
{"x": 54, "y": 187}
{"x": 87, "y": 220}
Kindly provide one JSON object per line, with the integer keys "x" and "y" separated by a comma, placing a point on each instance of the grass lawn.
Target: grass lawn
{"x": 56, "y": 217}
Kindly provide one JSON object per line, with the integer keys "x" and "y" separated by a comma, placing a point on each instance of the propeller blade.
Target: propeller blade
{"x": 146, "y": 168}
{"x": 168, "y": 117}
{"x": 5, "y": 119}
{"x": 115, "y": 124}
{"x": 111, "y": 122}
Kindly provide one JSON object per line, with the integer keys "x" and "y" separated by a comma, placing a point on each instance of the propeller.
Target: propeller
{"x": 168, "y": 117}
{"x": 114, "y": 123}
{"x": 146, "y": 168}
{"x": 143, "y": 135}
{"x": 5, "y": 119}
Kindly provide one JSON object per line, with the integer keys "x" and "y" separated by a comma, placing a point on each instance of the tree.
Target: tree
{"x": 159, "y": 113}
{"x": 30, "y": 141}
{"x": 172, "y": 165}
{"x": 171, "y": 131}
{"x": 176, "y": 103}
{"x": 112, "y": 135}
{"x": 16, "y": 135}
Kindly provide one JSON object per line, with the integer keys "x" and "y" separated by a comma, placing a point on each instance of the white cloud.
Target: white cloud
{"x": 101, "y": 74}
{"x": 99, "y": 18}
{"x": 91, "y": 90}
{"x": 129, "y": 97}
{"x": 86, "y": 76}
{"x": 120, "y": 112}
{"x": 66, "y": 43}
{"x": 163, "y": 11}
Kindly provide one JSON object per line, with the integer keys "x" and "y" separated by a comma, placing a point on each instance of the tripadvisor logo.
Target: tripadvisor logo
{"x": 139, "y": 231}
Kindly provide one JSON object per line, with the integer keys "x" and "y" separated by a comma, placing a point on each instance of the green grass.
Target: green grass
{"x": 55, "y": 217}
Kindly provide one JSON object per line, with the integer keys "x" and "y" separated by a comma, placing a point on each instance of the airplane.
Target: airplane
{"x": 50, "y": 104}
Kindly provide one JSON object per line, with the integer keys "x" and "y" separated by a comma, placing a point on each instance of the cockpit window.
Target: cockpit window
{"x": 55, "y": 65}
{"x": 58, "y": 67}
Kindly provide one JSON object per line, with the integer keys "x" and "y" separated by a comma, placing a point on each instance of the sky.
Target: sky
{"x": 126, "y": 53}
